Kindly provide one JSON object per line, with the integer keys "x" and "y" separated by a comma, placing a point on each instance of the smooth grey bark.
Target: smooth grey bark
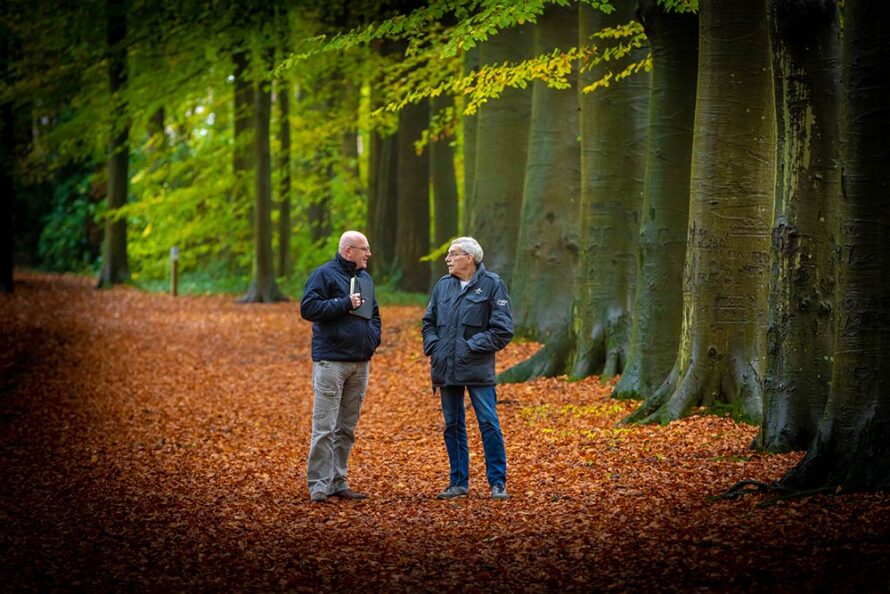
{"x": 263, "y": 288}
{"x": 502, "y": 129}
{"x": 614, "y": 129}
{"x": 543, "y": 279}
{"x": 115, "y": 268}
{"x": 658, "y": 299}
{"x": 413, "y": 207}
{"x": 722, "y": 349}
{"x": 851, "y": 450}
{"x": 806, "y": 59}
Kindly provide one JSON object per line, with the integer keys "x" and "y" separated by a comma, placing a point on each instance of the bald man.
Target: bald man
{"x": 345, "y": 334}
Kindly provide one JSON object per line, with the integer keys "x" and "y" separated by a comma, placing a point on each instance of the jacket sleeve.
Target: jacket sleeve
{"x": 430, "y": 338}
{"x": 377, "y": 324}
{"x": 500, "y": 323}
{"x": 316, "y": 305}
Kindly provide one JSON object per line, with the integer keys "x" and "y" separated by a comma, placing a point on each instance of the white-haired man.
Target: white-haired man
{"x": 467, "y": 321}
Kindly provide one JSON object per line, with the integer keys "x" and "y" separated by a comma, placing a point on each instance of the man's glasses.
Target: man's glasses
{"x": 362, "y": 248}
{"x": 452, "y": 254}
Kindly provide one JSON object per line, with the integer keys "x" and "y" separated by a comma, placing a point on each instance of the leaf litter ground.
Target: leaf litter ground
{"x": 151, "y": 443}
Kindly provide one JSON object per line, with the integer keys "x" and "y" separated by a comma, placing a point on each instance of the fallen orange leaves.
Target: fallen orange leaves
{"x": 153, "y": 443}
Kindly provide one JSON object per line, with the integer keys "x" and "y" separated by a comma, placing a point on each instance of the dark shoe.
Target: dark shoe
{"x": 453, "y": 491}
{"x": 348, "y": 493}
{"x": 499, "y": 491}
{"x": 318, "y": 497}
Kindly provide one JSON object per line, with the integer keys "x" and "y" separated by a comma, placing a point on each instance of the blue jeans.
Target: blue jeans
{"x": 483, "y": 400}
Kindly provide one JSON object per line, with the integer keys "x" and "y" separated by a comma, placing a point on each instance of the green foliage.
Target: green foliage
{"x": 69, "y": 241}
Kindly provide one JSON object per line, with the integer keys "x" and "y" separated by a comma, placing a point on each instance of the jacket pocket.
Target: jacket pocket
{"x": 474, "y": 314}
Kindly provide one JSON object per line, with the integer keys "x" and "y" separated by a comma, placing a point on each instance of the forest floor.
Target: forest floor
{"x": 152, "y": 443}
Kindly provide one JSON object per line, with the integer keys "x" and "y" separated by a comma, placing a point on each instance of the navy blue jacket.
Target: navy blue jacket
{"x": 463, "y": 328}
{"x": 338, "y": 335}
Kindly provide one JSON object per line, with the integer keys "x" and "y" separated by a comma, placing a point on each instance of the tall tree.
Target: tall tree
{"x": 851, "y": 450}
{"x": 413, "y": 207}
{"x": 470, "y": 65}
{"x": 115, "y": 268}
{"x": 658, "y": 300}
{"x": 806, "y": 59}
{"x": 547, "y": 244}
{"x": 7, "y": 156}
{"x": 613, "y": 147}
{"x": 285, "y": 260}
{"x": 263, "y": 288}
{"x": 502, "y": 128}
{"x": 721, "y": 353}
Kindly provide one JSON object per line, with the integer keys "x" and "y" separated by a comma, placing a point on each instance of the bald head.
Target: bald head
{"x": 355, "y": 248}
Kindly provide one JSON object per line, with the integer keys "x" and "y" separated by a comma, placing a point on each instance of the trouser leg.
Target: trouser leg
{"x": 455, "y": 434}
{"x": 483, "y": 399}
{"x": 354, "y": 386}
{"x": 327, "y": 382}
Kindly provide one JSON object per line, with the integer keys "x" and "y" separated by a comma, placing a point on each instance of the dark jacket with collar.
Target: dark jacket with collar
{"x": 338, "y": 335}
{"x": 463, "y": 328}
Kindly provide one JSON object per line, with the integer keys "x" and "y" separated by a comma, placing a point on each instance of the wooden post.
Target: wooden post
{"x": 174, "y": 270}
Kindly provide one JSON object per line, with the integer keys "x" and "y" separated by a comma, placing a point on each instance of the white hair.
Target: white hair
{"x": 469, "y": 246}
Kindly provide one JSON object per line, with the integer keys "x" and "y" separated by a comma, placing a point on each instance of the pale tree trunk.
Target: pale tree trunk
{"x": 658, "y": 300}
{"x": 543, "y": 279}
{"x": 263, "y": 288}
{"x": 413, "y": 179}
{"x": 614, "y": 126}
{"x": 806, "y": 60}
{"x": 115, "y": 268}
{"x": 444, "y": 180}
{"x": 851, "y": 450}
{"x": 502, "y": 127}
{"x": 722, "y": 349}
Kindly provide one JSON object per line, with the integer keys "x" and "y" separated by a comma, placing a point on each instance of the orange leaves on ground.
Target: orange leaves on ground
{"x": 159, "y": 444}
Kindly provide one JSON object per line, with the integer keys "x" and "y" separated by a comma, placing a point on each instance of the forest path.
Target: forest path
{"x": 152, "y": 443}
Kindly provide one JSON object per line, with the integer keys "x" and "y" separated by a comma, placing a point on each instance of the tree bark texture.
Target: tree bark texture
{"x": 852, "y": 448}
{"x": 115, "y": 268}
{"x": 543, "y": 279}
{"x": 806, "y": 61}
{"x": 722, "y": 350}
{"x": 263, "y": 288}
{"x": 658, "y": 299}
{"x": 413, "y": 180}
{"x": 614, "y": 126}
{"x": 501, "y": 145}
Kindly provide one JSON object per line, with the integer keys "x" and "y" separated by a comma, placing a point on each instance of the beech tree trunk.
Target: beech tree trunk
{"x": 470, "y": 64}
{"x": 614, "y": 125}
{"x": 502, "y": 129}
{"x": 658, "y": 299}
{"x": 722, "y": 350}
{"x": 115, "y": 268}
{"x": 851, "y": 450}
{"x": 413, "y": 179}
{"x": 263, "y": 288}
{"x": 543, "y": 279}
{"x": 806, "y": 59}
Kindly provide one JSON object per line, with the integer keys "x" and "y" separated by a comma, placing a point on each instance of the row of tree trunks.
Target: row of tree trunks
{"x": 658, "y": 301}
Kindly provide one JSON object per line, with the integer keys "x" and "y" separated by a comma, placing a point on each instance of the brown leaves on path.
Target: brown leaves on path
{"x": 153, "y": 443}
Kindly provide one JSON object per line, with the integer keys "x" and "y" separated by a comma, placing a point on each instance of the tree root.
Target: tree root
{"x": 780, "y": 491}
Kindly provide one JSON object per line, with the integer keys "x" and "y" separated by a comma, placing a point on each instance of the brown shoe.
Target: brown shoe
{"x": 348, "y": 493}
